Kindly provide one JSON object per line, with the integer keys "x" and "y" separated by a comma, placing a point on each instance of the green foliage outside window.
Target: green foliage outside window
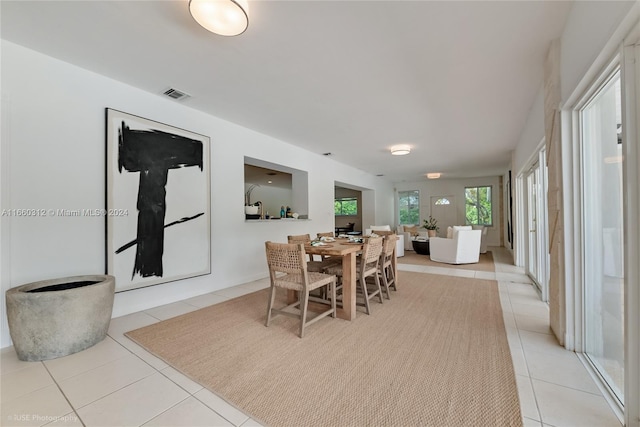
{"x": 409, "y": 207}
{"x": 478, "y": 206}
{"x": 346, "y": 206}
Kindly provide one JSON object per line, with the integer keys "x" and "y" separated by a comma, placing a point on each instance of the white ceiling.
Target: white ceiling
{"x": 453, "y": 79}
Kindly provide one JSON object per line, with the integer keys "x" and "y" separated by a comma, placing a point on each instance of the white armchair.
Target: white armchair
{"x": 462, "y": 248}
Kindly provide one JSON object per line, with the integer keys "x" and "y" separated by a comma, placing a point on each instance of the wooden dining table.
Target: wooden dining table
{"x": 348, "y": 252}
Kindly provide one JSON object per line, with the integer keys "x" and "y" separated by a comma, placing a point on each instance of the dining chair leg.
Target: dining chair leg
{"x": 338, "y": 286}
{"x": 272, "y": 297}
{"x": 333, "y": 298}
{"x": 377, "y": 279}
{"x": 385, "y": 282}
{"x": 363, "y": 285}
{"x": 392, "y": 280}
{"x": 303, "y": 312}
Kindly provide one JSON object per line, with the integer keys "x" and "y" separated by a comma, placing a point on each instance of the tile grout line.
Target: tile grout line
{"x": 249, "y": 417}
{"x": 195, "y": 397}
{"x": 168, "y": 409}
{"x": 529, "y": 418}
{"x": 121, "y": 388}
{"x": 526, "y": 361}
{"x": 63, "y": 395}
{"x": 567, "y": 387}
{"x": 178, "y": 385}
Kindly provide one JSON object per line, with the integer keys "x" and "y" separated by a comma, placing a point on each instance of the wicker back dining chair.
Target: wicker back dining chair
{"x": 312, "y": 264}
{"x": 327, "y": 234}
{"x": 305, "y": 239}
{"x": 299, "y": 238}
{"x": 383, "y": 232}
{"x": 366, "y": 266}
{"x": 288, "y": 270}
{"x": 385, "y": 267}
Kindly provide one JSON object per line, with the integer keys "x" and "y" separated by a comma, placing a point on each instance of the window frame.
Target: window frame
{"x": 581, "y": 264}
{"x": 400, "y": 195}
{"x": 341, "y": 200}
{"x": 477, "y": 188}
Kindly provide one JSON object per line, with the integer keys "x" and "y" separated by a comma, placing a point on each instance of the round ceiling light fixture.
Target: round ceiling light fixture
{"x": 223, "y": 17}
{"x": 400, "y": 150}
{"x": 433, "y": 175}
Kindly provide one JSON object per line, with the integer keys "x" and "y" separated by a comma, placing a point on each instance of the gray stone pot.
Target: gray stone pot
{"x": 54, "y": 318}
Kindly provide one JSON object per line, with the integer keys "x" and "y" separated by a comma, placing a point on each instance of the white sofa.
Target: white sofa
{"x": 378, "y": 228}
{"x": 407, "y": 235}
{"x": 462, "y": 248}
{"x": 400, "y": 245}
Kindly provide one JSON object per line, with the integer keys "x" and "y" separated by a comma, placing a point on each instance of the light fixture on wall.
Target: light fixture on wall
{"x": 433, "y": 175}
{"x": 400, "y": 150}
{"x": 224, "y": 17}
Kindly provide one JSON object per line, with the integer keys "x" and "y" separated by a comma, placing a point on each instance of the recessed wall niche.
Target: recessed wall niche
{"x": 275, "y": 186}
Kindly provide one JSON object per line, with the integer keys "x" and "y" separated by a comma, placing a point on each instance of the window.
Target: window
{"x": 443, "y": 201}
{"x": 346, "y": 206}
{"x": 478, "y": 205}
{"x": 409, "y": 207}
{"x": 603, "y": 233}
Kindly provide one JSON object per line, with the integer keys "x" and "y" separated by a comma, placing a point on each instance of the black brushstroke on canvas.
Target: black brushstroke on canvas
{"x": 135, "y": 241}
{"x": 153, "y": 153}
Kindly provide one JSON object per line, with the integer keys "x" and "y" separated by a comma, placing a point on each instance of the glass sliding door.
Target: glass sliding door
{"x": 532, "y": 223}
{"x": 537, "y": 260}
{"x": 603, "y": 238}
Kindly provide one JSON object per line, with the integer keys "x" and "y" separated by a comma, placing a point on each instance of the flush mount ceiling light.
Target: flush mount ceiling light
{"x": 433, "y": 175}
{"x": 224, "y": 17}
{"x": 400, "y": 150}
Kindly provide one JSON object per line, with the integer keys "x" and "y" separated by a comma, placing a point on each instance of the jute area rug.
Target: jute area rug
{"x": 436, "y": 354}
{"x": 485, "y": 263}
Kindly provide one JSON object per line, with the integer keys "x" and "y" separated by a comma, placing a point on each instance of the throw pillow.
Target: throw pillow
{"x": 380, "y": 228}
{"x": 413, "y": 231}
{"x": 449, "y": 233}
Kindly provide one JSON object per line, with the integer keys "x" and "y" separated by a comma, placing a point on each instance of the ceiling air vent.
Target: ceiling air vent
{"x": 176, "y": 94}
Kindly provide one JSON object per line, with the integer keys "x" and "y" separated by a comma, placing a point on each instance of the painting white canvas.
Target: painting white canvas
{"x": 157, "y": 202}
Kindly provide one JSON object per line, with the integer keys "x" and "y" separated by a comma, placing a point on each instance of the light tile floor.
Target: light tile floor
{"x": 118, "y": 383}
{"x": 554, "y": 387}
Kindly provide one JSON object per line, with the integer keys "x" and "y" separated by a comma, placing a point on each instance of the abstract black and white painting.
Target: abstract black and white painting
{"x": 157, "y": 202}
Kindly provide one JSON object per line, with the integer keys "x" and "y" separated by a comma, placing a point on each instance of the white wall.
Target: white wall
{"x": 455, "y": 187}
{"x": 531, "y": 136}
{"x": 53, "y": 128}
{"x": 589, "y": 27}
